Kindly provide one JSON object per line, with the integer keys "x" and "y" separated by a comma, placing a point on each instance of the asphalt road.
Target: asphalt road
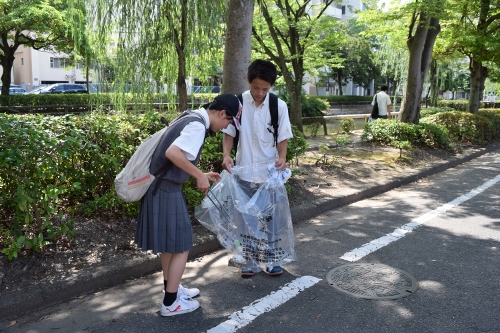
{"x": 444, "y": 231}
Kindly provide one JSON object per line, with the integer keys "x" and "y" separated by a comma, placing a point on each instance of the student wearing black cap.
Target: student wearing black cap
{"x": 163, "y": 224}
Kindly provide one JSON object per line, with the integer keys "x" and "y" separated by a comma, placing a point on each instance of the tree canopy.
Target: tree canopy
{"x": 39, "y": 24}
{"x": 284, "y": 32}
{"x": 157, "y": 45}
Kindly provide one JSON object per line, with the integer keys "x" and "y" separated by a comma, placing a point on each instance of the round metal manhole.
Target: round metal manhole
{"x": 372, "y": 281}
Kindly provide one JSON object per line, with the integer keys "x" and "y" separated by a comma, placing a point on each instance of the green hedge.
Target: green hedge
{"x": 49, "y": 99}
{"x": 101, "y": 98}
{"x": 442, "y": 129}
{"x": 61, "y": 166}
{"x": 392, "y": 132}
{"x": 461, "y": 104}
{"x": 465, "y": 127}
{"x": 346, "y": 98}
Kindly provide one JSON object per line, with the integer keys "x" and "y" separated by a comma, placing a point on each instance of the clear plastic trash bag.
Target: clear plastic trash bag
{"x": 252, "y": 221}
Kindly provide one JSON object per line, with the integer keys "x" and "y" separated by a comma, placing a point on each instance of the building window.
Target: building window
{"x": 58, "y": 62}
{"x": 22, "y": 61}
{"x": 343, "y": 10}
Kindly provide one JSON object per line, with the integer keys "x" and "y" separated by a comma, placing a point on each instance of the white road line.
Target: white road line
{"x": 400, "y": 232}
{"x": 246, "y": 315}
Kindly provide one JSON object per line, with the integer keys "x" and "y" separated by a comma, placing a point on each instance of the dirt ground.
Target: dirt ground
{"x": 316, "y": 174}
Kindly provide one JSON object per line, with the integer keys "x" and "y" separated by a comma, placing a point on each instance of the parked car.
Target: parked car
{"x": 37, "y": 89}
{"x": 15, "y": 91}
{"x": 61, "y": 88}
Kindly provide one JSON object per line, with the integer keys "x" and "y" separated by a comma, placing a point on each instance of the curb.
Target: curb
{"x": 19, "y": 302}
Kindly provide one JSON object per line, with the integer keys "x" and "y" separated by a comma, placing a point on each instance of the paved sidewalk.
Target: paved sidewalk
{"x": 43, "y": 295}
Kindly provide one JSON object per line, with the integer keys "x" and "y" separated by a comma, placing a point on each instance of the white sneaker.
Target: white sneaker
{"x": 180, "y": 306}
{"x": 188, "y": 292}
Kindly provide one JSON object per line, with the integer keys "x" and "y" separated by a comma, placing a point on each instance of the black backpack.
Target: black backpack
{"x": 374, "y": 113}
{"x": 273, "y": 109}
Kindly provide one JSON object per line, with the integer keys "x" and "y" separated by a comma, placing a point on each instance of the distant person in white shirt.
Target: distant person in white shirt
{"x": 384, "y": 102}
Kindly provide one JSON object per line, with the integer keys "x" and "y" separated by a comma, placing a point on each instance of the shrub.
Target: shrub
{"x": 433, "y": 110}
{"x": 393, "y": 133}
{"x": 465, "y": 127}
{"x": 313, "y": 129}
{"x": 313, "y": 106}
{"x": 494, "y": 116}
{"x": 50, "y": 166}
{"x": 297, "y": 145}
{"x": 55, "y": 166}
{"x": 458, "y": 105}
{"x": 439, "y": 130}
{"x": 346, "y": 98}
{"x": 347, "y": 125}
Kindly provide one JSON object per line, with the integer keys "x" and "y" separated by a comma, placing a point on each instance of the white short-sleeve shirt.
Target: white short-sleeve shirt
{"x": 192, "y": 136}
{"x": 256, "y": 143}
{"x": 382, "y": 100}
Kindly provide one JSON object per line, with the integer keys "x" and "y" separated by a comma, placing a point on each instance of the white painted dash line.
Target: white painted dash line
{"x": 246, "y": 315}
{"x": 400, "y": 232}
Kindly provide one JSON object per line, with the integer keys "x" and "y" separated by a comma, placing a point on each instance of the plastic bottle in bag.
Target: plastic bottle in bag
{"x": 238, "y": 251}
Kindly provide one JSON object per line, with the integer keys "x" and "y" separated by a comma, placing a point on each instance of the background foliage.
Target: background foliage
{"x": 55, "y": 167}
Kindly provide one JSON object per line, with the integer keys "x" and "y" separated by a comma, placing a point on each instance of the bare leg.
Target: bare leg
{"x": 173, "y": 265}
{"x": 165, "y": 263}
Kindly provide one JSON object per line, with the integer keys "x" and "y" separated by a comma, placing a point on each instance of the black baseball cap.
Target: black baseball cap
{"x": 228, "y": 102}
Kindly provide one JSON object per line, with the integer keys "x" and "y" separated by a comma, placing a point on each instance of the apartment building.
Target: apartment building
{"x": 33, "y": 68}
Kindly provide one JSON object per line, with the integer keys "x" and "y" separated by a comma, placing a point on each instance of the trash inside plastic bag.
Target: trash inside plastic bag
{"x": 252, "y": 221}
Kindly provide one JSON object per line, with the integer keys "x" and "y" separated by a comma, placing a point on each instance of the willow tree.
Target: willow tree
{"x": 284, "y": 31}
{"x": 157, "y": 45}
{"x": 388, "y": 29}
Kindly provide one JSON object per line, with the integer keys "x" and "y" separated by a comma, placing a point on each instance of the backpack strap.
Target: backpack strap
{"x": 237, "y": 136}
{"x": 273, "y": 108}
{"x": 163, "y": 170}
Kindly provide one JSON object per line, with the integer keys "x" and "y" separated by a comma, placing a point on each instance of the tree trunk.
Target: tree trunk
{"x": 180, "y": 44}
{"x": 294, "y": 89}
{"x": 7, "y": 61}
{"x": 420, "y": 46}
{"x": 479, "y": 73}
{"x": 339, "y": 82}
{"x": 181, "y": 82}
{"x": 87, "y": 76}
{"x": 434, "y": 83}
{"x": 238, "y": 46}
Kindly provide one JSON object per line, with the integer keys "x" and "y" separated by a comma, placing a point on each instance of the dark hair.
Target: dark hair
{"x": 262, "y": 69}
{"x": 384, "y": 87}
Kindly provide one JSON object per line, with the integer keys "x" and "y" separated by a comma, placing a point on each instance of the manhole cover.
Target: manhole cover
{"x": 372, "y": 281}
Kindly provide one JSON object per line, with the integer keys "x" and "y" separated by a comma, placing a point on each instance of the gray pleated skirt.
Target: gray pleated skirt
{"x": 163, "y": 224}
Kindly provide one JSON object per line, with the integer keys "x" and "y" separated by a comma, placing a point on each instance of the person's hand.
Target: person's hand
{"x": 213, "y": 176}
{"x": 203, "y": 183}
{"x": 228, "y": 163}
{"x": 280, "y": 164}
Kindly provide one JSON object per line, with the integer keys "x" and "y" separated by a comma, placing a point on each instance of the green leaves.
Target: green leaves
{"x": 54, "y": 167}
